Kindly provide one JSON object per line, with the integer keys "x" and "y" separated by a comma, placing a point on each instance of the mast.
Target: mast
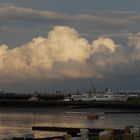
{"x": 93, "y": 86}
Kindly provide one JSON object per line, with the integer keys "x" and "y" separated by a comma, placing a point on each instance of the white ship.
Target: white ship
{"x": 104, "y": 96}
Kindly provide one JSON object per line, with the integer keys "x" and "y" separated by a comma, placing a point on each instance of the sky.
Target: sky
{"x": 49, "y": 45}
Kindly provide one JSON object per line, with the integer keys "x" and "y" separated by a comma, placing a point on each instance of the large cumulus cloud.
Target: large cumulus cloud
{"x": 65, "y": 54}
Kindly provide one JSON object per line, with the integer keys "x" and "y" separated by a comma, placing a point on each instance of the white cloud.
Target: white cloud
{"x": 3, "y": 49}
{"x": 104, "y": 42}
{"x": 134, "y": 41}
{"x": 63, "y": 46}
{"x": 65, "y": 54}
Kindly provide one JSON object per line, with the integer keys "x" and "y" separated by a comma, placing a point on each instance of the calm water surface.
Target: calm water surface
{"x": 18, "y": 122}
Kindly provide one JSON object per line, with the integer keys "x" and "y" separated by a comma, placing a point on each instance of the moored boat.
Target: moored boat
{"x": 103, "y": 96}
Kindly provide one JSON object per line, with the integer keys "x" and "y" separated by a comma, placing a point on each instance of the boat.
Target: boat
{"x": 111, "y": 96}
{"x": 102, "y": 96}
{"x": 33, "y": 98}
{"x": 92, "y": 116}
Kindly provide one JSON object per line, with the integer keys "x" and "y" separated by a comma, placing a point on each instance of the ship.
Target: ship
{"x": 104, "y": 96}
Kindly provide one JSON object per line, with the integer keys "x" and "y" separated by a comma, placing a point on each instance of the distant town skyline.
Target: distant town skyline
{"x": 49, "y": 45}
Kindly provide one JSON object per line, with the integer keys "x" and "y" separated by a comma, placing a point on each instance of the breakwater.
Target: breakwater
{"x": 70, "y": 104}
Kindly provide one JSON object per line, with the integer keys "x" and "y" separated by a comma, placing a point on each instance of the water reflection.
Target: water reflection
{"x": 18, "y": 122}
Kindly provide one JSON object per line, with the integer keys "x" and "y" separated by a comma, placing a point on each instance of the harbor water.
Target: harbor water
{"x": 19, "y": 121}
